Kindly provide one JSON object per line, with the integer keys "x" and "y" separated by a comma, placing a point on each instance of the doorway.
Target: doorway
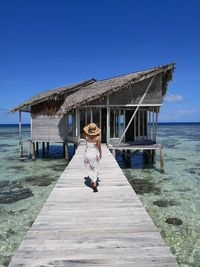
{"x": 103, "y": 125}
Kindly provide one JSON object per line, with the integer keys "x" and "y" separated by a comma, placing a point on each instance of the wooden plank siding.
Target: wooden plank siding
{"x": 77, "y": 227}
{"x": 132, "y": 95}
{"x": 49, "y": 128}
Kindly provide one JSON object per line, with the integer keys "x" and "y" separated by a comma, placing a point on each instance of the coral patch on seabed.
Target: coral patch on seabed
{"x": 165, "y": 203}
{"x": 39, "y": 180}
{"x": 16, "y": 195}
{"x": 174, "y": 221}
{"x": 142, "y": 186}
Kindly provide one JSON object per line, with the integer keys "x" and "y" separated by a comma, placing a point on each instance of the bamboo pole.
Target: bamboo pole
{"x": 43, "y": 149}
{"x": 86, "y": 116}
{"x": 91, "y": 115}
{"x": 139, "y": 124}
{"x": 20, "y": 135}
{"x": 65, "y": 150}
{"x": 146, "y": 117}
{"x": 124, "y": 124}
{"x": 153, "y": 114}
{"x": 134, "y": 122}
{"x": 114, "y": 152}
{"x": 32, "y": 150}
{"x": 100, "y": 118}
{"x": 114, "y": 125}
{"x": 37, "y": 150}
{"x": 162, "y": 163}
{"x": 20, "y": 126}
{"x": 76, "y": 124}
{"x": 149, "y": 125}
{"x": 108, "y": 122}
{"x": 73, "y": 123}
{"x": 156, "y": 124}
{"x": 142, "y": 124}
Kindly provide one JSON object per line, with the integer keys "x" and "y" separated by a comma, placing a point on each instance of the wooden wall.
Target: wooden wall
{"x": 49, "y": 128}
{"x": 133, "y": 94}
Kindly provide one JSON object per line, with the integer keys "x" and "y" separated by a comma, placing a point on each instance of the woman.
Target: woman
{"x": 92, "y": 153}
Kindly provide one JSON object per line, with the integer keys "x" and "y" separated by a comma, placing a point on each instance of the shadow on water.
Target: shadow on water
{"x": 55, "y": 151}
{"x": 135, "y": 161}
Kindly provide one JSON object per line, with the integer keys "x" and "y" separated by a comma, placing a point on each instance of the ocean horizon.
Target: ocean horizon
{"x": 159, "y": 123}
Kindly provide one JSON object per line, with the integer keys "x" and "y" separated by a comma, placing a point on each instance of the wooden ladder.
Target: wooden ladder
{"x": 24, "y": 148}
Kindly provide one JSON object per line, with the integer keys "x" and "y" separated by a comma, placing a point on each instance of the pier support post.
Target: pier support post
{"x": 43, "y": 149}
{"x": 33, "y": 150}
{"x": 146, "y": 156}
{"x": 65, "y": 150}
{"x": 113, "y": 152}
{"x": 153, "y": 153}
{"x": 37, "y": 150}
{"x": 162, "y": 163}
{"x": 48, "y": 146}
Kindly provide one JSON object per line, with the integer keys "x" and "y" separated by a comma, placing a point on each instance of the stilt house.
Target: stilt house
{"x": 124, "y": 107}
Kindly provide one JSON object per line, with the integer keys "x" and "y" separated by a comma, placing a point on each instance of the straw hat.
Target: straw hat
{"x": 91, "y": 129}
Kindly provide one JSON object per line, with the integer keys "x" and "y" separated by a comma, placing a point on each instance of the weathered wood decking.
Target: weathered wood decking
{"x": 77, "y": 227}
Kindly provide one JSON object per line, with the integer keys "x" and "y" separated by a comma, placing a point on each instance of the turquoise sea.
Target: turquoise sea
{"x": 172, "y": 198}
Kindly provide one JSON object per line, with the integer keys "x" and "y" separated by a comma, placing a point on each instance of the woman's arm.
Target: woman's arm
{"x": 99, "y": 146}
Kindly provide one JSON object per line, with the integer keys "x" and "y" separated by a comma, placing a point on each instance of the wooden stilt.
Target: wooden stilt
{"x": 146, "y": 156}
{"x": 153, "y": 153}
{"x": 21, "y": 152}
{"x": 114, "y": 152}
{"x": 162, "y": 163}
{"x": 74, "y": 149}
{"x": 66, "y": 154}
{"x": 108, "y": 122}
{"x": 20, "y": 136}
{"x": 47, "y": 146}
{"x": 43, "y": 149}
{"x": 128, "y": 158}
{"x": 33, "y": 150}
{"x": 37, "y": 150}
{"x": 64, "y": 150}
{"x": 123, "y": 154}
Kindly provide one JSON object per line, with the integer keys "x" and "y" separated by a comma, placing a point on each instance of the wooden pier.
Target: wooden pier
{"x": 77, "y": 227}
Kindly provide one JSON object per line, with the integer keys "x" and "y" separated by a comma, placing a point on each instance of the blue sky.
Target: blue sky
{"x": 50, "y": 43}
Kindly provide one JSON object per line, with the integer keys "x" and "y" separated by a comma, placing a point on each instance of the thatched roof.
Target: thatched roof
{"x": 51, "y": 94}
{"x": 106, "y": 87}
{"x": 86, "y": 91}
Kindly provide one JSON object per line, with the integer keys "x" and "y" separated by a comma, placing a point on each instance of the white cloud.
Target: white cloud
{"x": 186, "y": 111}
{"x": 174, "y": 98}
{"x": 178, "y": 115}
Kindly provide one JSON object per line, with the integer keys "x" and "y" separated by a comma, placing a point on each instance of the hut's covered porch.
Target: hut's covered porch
{"x": 126, "y": 129}
{"x": 119, "y": 125}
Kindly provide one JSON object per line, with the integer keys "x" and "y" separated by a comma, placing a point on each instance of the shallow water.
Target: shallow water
{"x": 172, "y": 197}
{"x": 37, "y": 178}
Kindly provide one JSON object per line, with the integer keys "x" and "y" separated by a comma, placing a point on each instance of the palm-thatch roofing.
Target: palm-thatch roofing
{"x": 84, "y": 92}
{"x": 51, "y": 94}
{"x": 102, "y": 88}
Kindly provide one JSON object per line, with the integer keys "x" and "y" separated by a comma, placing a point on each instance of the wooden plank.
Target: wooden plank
{"x": 77, "y": 227}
